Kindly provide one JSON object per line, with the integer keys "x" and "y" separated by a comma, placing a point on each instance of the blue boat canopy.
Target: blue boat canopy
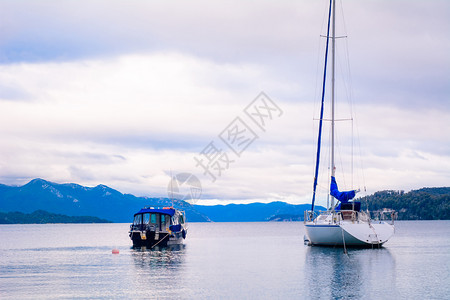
{"x": 166, "y": 211}
{"x": 344, "y": 197}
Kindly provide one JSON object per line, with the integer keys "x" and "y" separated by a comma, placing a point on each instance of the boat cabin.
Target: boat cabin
{"x": 349, "y": 210}
{"x": 353, "y": 206}
{"x": 158, "y": 219}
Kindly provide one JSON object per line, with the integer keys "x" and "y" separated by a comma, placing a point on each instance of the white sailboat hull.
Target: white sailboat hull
{"x": 360, "y": 234}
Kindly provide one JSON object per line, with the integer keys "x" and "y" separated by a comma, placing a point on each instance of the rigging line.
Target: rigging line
{"x": 345, "y": 71}
{"x": 357, "y": 137}
{"x": 341, "y": 59}
{"x": 346, "y": 83}
{"x": 321, "y": 111}
{"x": 343, "y": 240}
{"x": 360, "y": 157}
{"x": 329, "y": 169}
{"x": 338, "y": 143}
{"x": 354, "y": 119}
{"x": 324, "y": 169}
{"x": 350, "y": 81}
{"x": 336, "y": 120}
{"x": 325, "y": 155}
{"x": 349, "y": 91}
{"x": 345, "y": 80}
{"x": 352, "y": 158}
{"x": 159, "y": 241}
{"x": 316, "y": 90}
{"x": 343, "y": 17}
{"x": 319, "y": 51}
{"x": 350, "y": 98}
{"x": 353, "y": 115}
{"x": 329, "y": 173}
{"x": 336, "y": 37}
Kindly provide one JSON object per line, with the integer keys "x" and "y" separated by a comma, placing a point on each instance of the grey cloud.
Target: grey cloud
{"x": 13, "y": 93}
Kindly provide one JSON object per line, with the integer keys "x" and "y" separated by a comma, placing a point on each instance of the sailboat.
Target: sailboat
{"x": 344, "y": 224}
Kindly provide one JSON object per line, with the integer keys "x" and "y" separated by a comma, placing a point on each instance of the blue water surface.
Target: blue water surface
{"x": 220, "y": 261}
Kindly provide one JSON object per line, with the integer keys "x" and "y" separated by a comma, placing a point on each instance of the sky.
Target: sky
{"x": 126, "y": 93}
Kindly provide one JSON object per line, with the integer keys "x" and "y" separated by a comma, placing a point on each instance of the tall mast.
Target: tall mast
{"x": 319, "y": 137}
{"x": 333, "y": 50}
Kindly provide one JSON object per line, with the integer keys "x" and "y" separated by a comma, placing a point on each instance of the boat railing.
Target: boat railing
{"x": 384, "y": 215}
{"x": 313, "y": 216}
{"x": 364, "y": 217}
{"x": 336, "y": 217}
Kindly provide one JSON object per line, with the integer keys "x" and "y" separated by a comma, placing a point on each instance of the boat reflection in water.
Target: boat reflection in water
{"x": 156, "y": 272}
{"x": 159, "y": 257}
{"x": 332, "y": 274}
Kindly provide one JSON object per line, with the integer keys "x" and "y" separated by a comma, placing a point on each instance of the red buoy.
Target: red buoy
{"x": 115, "y": 251}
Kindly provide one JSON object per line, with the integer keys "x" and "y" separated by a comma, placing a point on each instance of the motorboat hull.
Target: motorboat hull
{"x": 150, "y": 239}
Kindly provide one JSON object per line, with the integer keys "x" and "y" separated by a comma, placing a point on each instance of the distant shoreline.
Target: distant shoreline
{"x": 45, "y": 217}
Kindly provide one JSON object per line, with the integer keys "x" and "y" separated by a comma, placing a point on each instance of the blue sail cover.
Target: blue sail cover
{"x": 344, "y": 197}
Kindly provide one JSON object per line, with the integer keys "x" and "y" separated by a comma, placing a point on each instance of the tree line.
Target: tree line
{"x": 422, "y": 204}
{"x": 44, "y": 217}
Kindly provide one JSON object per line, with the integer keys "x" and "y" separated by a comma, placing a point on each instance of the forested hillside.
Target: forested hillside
{"x": 44, "y": 217}
{"x": 423, "y": 204}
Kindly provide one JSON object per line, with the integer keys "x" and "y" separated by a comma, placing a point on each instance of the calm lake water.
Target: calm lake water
{"x": 221, "y": 261}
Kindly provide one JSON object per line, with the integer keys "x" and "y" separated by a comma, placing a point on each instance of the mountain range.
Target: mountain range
{"x": 77, "y": 200}
{"x": 104, "y": 202}
{"x": 254, "y": 212}
{"x": 109, "y": 204}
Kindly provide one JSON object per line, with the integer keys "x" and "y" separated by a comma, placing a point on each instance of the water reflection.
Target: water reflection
{"x": 330, "y": 273}
{"x": 155, "y": 271}
{"x": 157, "y": 257}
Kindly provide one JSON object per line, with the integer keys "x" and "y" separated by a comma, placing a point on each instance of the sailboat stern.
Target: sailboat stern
{"x": 369, "y": 234}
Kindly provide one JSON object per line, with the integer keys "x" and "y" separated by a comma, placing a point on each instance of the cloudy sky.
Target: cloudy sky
{"x": 124, "y": 92}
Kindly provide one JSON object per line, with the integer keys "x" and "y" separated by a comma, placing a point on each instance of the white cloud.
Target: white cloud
{"x": 120, "y": 94}
{"x": 125, "y": 119}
